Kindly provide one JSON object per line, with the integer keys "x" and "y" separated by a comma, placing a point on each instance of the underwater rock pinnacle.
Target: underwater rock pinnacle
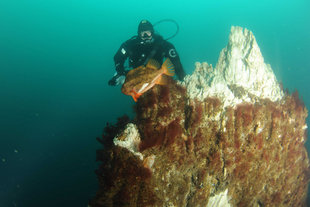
{"x": 227, "y": 136}
{"x": 240, "y": 74}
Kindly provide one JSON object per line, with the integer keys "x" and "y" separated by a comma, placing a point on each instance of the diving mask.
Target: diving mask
{"x": 146, "y": 35}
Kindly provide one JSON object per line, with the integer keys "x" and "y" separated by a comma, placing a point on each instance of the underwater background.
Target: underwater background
{"x": 56, "y": 57}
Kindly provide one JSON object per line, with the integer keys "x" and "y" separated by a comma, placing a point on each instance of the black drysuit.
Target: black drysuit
{"x": 140, "y": 52}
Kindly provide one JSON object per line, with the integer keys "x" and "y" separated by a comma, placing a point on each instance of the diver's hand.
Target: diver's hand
{"x": 118, "y": 78}
{"x": 112, "y": 82}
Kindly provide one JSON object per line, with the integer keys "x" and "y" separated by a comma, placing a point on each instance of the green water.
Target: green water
{"x": 57, "y": 56}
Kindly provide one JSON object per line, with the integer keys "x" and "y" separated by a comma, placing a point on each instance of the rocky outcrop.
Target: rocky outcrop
{"x": 240, "y": 75}
{"x": 227, "y": 136}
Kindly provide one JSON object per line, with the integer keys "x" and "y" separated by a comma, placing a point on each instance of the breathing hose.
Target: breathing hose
{"x": 169, "y": 20}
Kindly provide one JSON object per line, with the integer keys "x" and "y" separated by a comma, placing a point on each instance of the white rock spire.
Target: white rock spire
{"x": 241, "y": 74}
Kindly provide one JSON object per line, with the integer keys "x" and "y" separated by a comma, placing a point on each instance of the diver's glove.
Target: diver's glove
{"x": 120, "y": 71}
{"x": 112, "y": 82}
{"x": 118, "y": 79}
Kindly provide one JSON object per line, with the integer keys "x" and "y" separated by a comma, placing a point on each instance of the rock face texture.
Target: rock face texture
{"x": 227, "y": 136}
{"x": 240, "y": 75}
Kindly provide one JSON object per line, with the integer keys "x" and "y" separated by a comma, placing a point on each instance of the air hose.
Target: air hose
{"x": 169, "y": 20}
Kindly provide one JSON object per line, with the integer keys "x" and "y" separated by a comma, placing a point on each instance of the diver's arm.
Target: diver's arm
{"x": 122, "y": 54}
{"x": 178, "y": 67}
{"x": 119, "y": 59}
{"x": 172, "y": 54}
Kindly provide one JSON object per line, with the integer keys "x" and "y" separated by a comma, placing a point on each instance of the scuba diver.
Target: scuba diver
{"x": 143, "y": 47}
